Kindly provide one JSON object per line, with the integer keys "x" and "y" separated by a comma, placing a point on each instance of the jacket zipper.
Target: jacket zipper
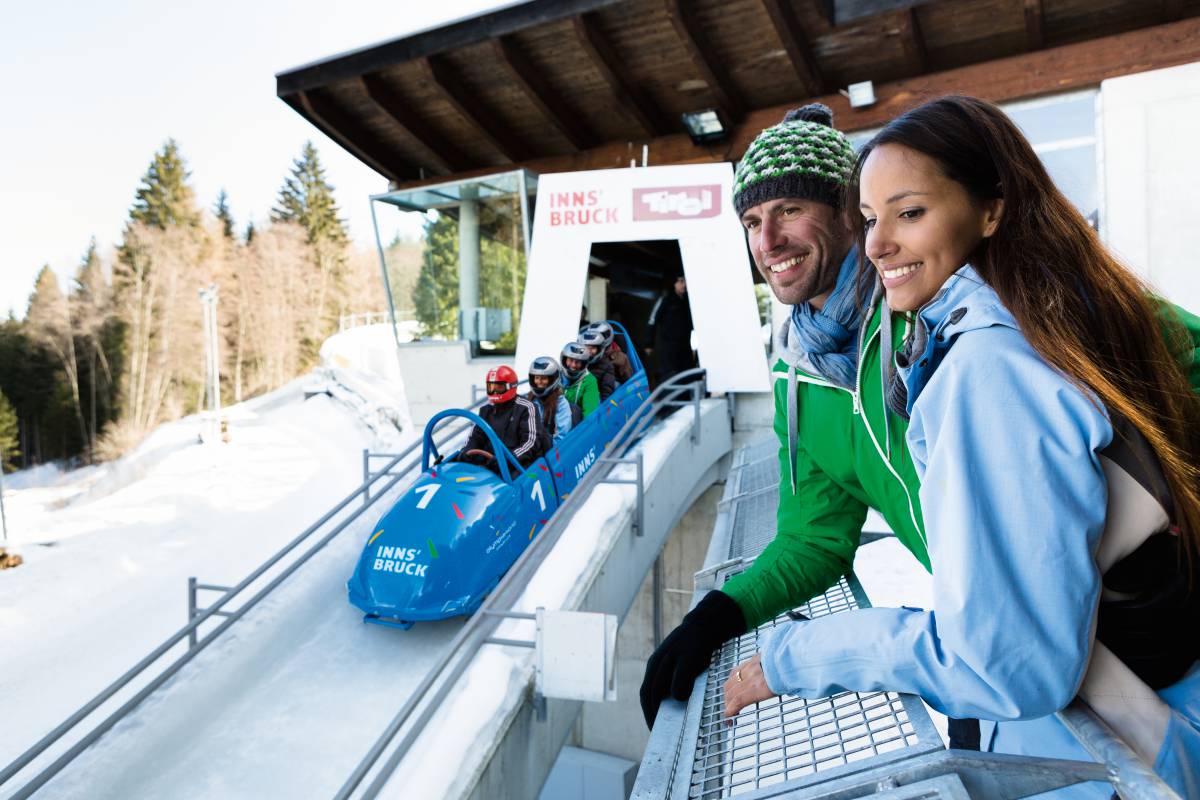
{"x": 912, "y": 514}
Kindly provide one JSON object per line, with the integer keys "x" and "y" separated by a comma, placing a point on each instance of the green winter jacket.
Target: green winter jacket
{"x": 852, "y": 455}
{"x": 584, "y": 393}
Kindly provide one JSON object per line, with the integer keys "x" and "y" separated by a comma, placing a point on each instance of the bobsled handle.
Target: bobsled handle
{"x": 504, "y": 456}
{"x": 631, "y": 353}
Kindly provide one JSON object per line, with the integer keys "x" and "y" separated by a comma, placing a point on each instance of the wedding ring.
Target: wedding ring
{"x": 738, "y": 675}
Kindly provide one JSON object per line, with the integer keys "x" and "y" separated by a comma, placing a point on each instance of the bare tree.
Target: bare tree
{"x": 156, "y": 282}
{"x": 50, "y": 323}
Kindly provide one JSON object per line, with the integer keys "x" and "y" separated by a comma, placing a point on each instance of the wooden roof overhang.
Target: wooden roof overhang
{"x": 555, "y": 85}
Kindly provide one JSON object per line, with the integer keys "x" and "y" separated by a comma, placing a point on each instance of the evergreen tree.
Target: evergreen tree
{"x": 249, "y": 235}
{"x": 224, "y": 215}
{"x": 9, "y": 435}
{"x": 307, "y": 198}
{"x": 164, "y": 197}
{"x": 436, "y": 294}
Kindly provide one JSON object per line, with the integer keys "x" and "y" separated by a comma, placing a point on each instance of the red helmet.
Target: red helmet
{"x": 501, "y": 384}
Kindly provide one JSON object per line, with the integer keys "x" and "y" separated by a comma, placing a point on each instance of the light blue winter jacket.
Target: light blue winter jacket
{"x": 1014, "y": 500}
{"x": 562, "y": 415}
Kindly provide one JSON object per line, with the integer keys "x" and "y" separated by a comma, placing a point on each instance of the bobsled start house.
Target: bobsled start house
{"x": 558, "y": 162}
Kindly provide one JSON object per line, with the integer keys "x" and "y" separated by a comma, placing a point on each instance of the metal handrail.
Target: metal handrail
{"x": 189, "y": 630}
{"x": 451, "y": 664}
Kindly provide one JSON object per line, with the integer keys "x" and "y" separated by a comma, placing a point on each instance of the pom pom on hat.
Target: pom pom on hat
{"x": 813, "y": 112}
{"x": 803, "y": 157}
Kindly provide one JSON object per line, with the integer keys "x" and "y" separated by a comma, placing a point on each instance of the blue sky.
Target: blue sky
{"x": 91, "y": 90}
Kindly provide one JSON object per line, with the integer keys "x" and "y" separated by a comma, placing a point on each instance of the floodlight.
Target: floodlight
{"x": 705, "y": 126}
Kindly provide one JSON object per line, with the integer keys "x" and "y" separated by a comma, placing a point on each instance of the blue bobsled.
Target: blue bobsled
{"x": 453, "y": 534}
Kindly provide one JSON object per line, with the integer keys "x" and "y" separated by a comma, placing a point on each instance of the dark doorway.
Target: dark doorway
{"x": 637, "y": 274}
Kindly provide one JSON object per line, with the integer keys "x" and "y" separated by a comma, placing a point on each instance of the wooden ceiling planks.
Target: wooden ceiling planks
{"x": 795, "y": 42}
{"x": 539, "y": 92}
{"x": 705, "y": 60}
{"x": 589, "y": 81}
{"x": 613, "y": 68}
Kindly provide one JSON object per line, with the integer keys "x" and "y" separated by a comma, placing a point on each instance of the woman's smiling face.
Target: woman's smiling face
{"x": 921, "y": 226}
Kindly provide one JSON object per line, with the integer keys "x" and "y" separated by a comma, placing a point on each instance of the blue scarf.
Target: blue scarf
{"x": 822, "y": 342}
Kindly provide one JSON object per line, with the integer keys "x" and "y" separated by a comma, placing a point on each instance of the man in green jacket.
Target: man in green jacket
{"x": 841, "y": 449}
{"x": 580, "y": 387}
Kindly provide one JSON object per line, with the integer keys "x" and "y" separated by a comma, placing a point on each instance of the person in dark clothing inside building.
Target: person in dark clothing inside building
{"x": 612, "y": 352}
{"x": 593, "y": 341}
{"x": 670, "y": 329}
{"x": 513, "y": 418}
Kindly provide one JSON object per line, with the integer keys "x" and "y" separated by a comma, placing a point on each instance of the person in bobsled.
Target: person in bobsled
{"x": 580, "y": 386}
{"x": 512, "y": 417}
{"x": 558, "y": 414}
{"x": 606, "y": 378}
{"x": 612, "y": 352}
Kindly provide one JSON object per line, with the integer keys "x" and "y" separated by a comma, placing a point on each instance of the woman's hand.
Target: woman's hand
{"x": 746, "y": 685}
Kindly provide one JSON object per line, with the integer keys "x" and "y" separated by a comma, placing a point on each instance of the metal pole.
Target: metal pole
{"x": 657, "y": 593}
{"x": 366, "y": 476}
{"x": 696, "y": 395}
{"x": 641, "y": 497}
{"x": 191, "y": 610}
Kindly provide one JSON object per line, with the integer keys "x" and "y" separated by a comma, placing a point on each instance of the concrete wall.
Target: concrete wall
{"x": 618, "y": 728}
{"x": 1150, "y": 124}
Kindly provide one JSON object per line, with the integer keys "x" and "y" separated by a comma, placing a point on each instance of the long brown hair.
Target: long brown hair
{"x": 1082, "y": 310}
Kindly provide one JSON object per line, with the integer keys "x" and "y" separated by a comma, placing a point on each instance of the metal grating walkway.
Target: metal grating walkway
{"x": 853, "y": 744}
{"x": 784, "y": 740}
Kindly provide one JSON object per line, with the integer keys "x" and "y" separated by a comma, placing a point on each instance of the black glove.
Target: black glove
{"x": 687, "y": 651}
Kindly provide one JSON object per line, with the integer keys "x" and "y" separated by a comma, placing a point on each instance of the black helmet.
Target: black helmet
{"x": 593, "y": 338}
{"x": 544, "y": 365}
{"x": 573, "y": 350}
{"x": 605, "y": 329}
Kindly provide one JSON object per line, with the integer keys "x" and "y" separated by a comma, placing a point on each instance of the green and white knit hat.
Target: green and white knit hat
{"x": 802, "y": 157}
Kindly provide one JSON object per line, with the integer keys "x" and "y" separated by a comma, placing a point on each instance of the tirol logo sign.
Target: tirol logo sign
{"x": 677, "y": 202}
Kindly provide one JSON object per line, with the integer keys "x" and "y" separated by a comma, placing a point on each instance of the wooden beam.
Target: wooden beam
{"x": 1034, "y": 34}
{"x": 912, "y": 41}
{"x": 334, "y": 124}
{"x": 441, "y": 39}
{"x": 1172, "y": 10}
{"x": 530, "y": 81}
{"x": 451, "y": 88}
{"x": 446, "y": 157}
{"x": 799, "y": 53}
{"x": 1058, "y": 69}
{"x": 842, "y": 11}
{"x": 695, "y": 42}
{"x": 606, "y": 62}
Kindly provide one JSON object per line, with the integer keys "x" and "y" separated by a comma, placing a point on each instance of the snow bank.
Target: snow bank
{"x": 104, "y": 580}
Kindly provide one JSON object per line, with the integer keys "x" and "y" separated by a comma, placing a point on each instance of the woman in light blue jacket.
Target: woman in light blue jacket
{"x": 1057, "y": 441}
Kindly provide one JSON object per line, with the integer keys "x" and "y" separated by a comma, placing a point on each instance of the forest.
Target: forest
{"x": 99, "y": 360}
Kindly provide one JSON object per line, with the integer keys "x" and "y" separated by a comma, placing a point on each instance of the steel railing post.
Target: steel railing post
{"x": 657, "y": 595}
{"x": 366, "y": 476}
{"x": 191, "y": 610}
{"x": 640, "y": 522}
{"x": 696, "y": 395}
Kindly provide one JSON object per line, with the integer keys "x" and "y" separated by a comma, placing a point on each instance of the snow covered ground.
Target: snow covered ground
{"x": 287, "y": 701}
{"x": 104, "y": 581}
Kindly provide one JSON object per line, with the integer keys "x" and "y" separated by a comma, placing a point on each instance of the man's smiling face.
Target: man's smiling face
{"x": 798, "y": 247}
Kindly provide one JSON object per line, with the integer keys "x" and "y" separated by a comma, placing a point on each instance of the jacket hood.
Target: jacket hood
{"x": 964, "y": 303}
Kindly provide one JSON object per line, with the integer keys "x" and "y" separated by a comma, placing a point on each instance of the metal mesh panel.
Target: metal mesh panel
{"x": 753, "y": 523}
{"x": 764, "y": 472}
{"x": 783, "y": 739}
